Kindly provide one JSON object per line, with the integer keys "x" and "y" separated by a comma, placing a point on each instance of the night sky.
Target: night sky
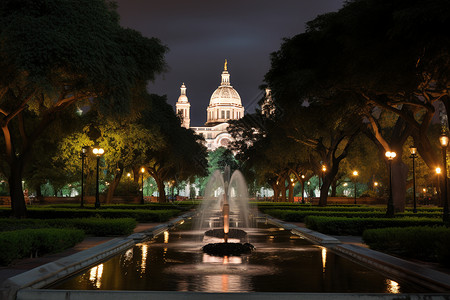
{"x": 201, "y": 34}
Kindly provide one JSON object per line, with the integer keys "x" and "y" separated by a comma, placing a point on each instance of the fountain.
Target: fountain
{"x": 221, "y": 191}
{"x": 285, "y": 263}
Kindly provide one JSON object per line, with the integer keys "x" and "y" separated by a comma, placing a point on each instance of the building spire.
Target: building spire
{"x": 225, "y": 66}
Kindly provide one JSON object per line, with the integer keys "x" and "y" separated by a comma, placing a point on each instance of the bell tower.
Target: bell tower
{"x": 183, "y": 108}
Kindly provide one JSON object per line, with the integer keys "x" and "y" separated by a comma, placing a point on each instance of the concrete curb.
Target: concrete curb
{"x": 66, "y": 266}
{"x": 30, "y": 294}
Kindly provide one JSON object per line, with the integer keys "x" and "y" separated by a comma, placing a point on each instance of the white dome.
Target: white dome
{"x": 225, "y": 94}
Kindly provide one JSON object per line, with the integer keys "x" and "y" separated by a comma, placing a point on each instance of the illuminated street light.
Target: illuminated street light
{"x": 309, "y": 190}
{"x": 84, "y": 152}
{"x": 413, "y": 150}
{"x": 355, "y": 175}
{"x": 142, "y": 194}
{"x": 324, "y": 169}
{"x": 443, "y": 140}
{"x": 303, "y": 188}
{"x": 390, "y": 207}
{"x": 97, "y": 152}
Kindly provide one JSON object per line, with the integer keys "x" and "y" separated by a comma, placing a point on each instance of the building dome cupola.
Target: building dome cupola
{"x": 225, "y": 103}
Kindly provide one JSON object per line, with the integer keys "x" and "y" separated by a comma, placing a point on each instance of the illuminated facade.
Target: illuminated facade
{"x": 225, "y": 104}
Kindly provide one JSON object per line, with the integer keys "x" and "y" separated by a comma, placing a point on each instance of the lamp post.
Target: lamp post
{"x": 84, "y": 151}
{"x": 443, "y": 139}
{"x": 324, "y": 169}
{"x": 438, "y": 172}
{"x": 142, "y": 180}
{"x": 355, "y": 175}
{"x": 98, "y": 152}
{"x": 413, "y": 155}
{"x": 309, "y": 190}
{"x": 303, "y": 188}
{"x": 390, "y": 207}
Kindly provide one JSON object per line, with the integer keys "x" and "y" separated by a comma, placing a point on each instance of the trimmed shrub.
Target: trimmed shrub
{"x": 34, "y": 242}
{"x": 97, "y": 226}
{"x": 141, "y": 215}
{"x": 91, "y": 226}
{"x": 356, "y": 226}
{"x": 424, "y": 243}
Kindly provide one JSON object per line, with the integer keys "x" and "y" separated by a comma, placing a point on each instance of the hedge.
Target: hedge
{"x": 33, "y": 242}
{"x": 424, "y": 243}
{"x": 356, "y": 226}
{"x": 299, "y": 216}
{"x": 91, "y": 226}
{"x": 148, "y": 206}
{"x": 141, "y": 215}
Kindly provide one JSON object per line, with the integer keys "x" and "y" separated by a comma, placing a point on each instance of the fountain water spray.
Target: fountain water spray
{"x": 226, "y": 204}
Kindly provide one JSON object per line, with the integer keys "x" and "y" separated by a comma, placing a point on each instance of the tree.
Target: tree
{"x": 56, "y": 53}
{"x": 182, "y": 154}
{"x": 354, "y": 50}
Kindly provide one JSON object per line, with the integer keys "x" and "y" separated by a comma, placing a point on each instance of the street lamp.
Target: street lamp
{"x": 438, "y": 172}
{"x": 443, "y": 139}
{"x": 355, "y": 175}
{"x": 413, "y": 150}
{"x": 324, "y": 169}
{"x": 84, "y": 151}
{"x": 303, "y": 188}
{"x": 98, "y": 152}
{"x": 390, "y": 207}
{"x": 309, "y": 190}
{"x": 142, "y": 194}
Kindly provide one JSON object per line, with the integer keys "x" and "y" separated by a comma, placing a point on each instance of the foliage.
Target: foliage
{"x": 356, "y": 226}
{"x": 139, "y": 214}
{"x": 35, "y": 242}
{"x": 92, "y": 226}
{"x": 300, "y": 215}
{"x": 55, "y": 54}
{"x": 97, "y": 226}
{"x": 424, "y": 243}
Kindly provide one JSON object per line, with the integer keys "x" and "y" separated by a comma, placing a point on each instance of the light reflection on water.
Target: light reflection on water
{"x": 284, "y": 263}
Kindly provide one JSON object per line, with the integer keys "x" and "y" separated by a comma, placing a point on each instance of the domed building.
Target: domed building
{"x": 225, "y": 104}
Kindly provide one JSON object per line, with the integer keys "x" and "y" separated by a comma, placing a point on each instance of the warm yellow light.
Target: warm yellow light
{"x": 142, "y": 170}
{"x": 309, "y": 183}
{"x": 292, "y": 179}
{"x": 303, "y": 176}
{"x": 345, "y": 184}
{"x": 355, "y": 173}
{"x": 98, "y": 151}
{"x": 443, "y": 139}
{"x": 375, "y": 183}
{"x": 391, "y": 155}
{"x": 438, "y": 170}
{"x": 413, "y": 150}
{"x": 324, "y": 168}
{"x": 424, "y": 190}
{"x": 128, "y": 174}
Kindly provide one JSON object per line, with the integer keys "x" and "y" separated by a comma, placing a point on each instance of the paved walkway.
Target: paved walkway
{"x": 23, "y": 265}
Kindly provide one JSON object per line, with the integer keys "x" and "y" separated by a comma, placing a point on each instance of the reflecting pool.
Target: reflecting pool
{"x": 281, "y": 262}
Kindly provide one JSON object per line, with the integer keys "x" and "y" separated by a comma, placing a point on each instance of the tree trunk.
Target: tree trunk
{"x": 333, "y": 188}
{"x": 291, "y": 192}
{"x": 283, "y": 191}
{"x": 276, "y": 192}
{"x": 399, "y": 176}
{"x": 324, "y": 191}
{"x": 18, "y": 205}
{"x": 113, "y": 186}
{"x": 161, "y": 191}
